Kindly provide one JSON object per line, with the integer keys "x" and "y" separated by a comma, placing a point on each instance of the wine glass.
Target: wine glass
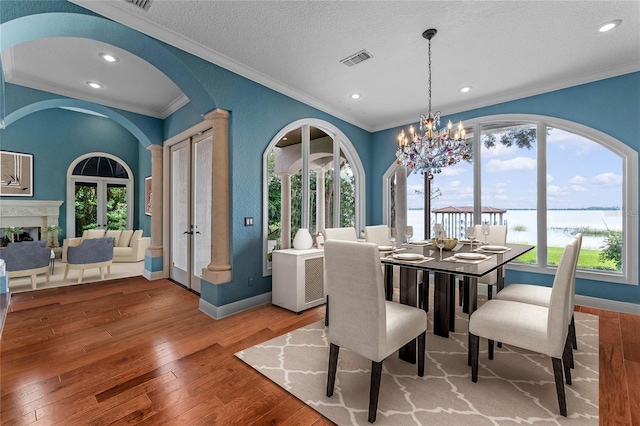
{"x": 393, "y": 236}
{"x": 471, "y": 235}
{"x": 441, "y": 240}
{"x": 486, "y": 230}
{"x": 408, "y": 233}
{"x": 437, "y": 229}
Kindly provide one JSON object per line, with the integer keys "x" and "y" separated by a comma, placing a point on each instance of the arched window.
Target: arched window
{"x": 312, "y": 178}
{"x": 99, "y": 194}
{"x": 546, "y": 179}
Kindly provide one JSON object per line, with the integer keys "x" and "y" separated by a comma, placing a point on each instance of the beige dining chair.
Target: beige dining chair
{"x": 377, "y": 234}
{"x": 541, "y": 296}
{"x": 536, "y": 328}
{"x": 344, "y": 234}
{"x": 341, "y": 234}
{"x": 497, "y": 236}
{"x": 362, "y": 321}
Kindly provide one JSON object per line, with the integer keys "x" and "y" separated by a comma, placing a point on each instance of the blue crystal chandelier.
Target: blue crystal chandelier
{"x": 430, "y": 149}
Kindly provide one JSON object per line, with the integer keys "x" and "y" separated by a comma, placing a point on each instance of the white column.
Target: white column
{"x": 320, "y": 206}
{"x": 401, "y": 202}
{"x": 285, "y": 210}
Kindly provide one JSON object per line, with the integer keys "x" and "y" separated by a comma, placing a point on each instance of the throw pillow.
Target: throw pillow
{"x": 115, "y": 233}
{"x": 125, "y": 238}
{"x": 93, "y": 233}
{"x": 136, "y": 235}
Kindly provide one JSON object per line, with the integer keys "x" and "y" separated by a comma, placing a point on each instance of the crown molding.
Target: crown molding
{"x": 521, "y": 93}
{"x": 174, "y": 105}
{"x": 111, "y": 11}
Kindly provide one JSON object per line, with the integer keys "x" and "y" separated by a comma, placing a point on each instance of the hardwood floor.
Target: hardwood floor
{"x": 133, "y": 351}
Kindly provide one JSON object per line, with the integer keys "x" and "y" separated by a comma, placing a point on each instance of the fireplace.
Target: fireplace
{"x": 33, "y": 216}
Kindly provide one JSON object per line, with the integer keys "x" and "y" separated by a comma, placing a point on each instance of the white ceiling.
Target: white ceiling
{"x": 504, "y": 49}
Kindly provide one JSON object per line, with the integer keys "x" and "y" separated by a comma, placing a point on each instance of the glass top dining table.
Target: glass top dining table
{"x": 459, "y": 262}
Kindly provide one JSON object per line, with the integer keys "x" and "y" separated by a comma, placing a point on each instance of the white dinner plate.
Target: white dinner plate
{"x": 464, "y": 241}
{"x": 494, "y": 248}
{"x": 385, "y": 248}
{"x": 470, "y": 256}
{"x": 407, "y": 256}
{"x": 420, "y": 243}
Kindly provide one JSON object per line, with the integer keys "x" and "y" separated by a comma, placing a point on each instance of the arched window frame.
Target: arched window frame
{"x": 630, "y": 190}
{"x": 340, "y": 143}
{"x": 72, "y": 179}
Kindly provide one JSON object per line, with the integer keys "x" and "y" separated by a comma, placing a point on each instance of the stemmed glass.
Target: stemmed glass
{"x": 471, "y": 235}
{"x": 441, "y": 240}
{"x": 437, "y": 229}
{"x": 393, "y": 236}
{"x": 408, "y": 233}
{"x": 486, "y": 230}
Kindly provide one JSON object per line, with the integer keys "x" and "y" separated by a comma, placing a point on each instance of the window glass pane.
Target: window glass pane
{"x": 284, "y": 180}
{"x": 508, "y": 176}
{"x": 86, "y": 206}
{"x": 320, "y": 164}
{"x": 452, "y": 196}
{"x": 116, "y": 206}
{"x": 584, "y": 194}
{"x": 347, "y": 193}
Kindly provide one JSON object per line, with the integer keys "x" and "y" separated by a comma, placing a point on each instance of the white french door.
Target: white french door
{"x": 191, "y": 209}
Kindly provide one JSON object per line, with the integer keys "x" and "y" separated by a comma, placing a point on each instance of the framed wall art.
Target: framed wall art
{"x": 147, "y": 196}
{"x": 16, "y": 174}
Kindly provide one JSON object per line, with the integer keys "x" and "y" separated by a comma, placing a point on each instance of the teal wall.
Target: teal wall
{"x": 258, "y": 113}
{"x": 611, "y": 106}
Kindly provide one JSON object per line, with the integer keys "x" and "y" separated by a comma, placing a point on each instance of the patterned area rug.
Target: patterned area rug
{"x": 517, "y": 387}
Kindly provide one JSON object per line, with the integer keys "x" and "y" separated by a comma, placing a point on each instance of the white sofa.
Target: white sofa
{"x": 129, "y": 245}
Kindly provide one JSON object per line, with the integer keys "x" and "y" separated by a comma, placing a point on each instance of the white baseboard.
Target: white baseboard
{"x": 151, "y": 276}
{"x": 218, "y": 312}
{"x": 608, "y": 305}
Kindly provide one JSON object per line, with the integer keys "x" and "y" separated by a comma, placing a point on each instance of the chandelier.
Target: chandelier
{"x": 430, "y": 149}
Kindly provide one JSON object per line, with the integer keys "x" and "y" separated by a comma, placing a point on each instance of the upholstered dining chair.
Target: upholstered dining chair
{"x": 536, "y": 328}
{"x": 541, "y": 296}
{"x": 344, "y": 234}
{"x": 377, "y": 234}
{"x": 362, "y": 321}
{"x": 497, "y": 236}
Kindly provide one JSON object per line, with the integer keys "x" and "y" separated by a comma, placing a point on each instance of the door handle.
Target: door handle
{"x": 188, "y": 232}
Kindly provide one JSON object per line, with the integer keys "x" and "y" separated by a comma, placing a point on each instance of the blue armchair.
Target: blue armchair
{"x": 28, "y": 258}
{"x": 91, "y": 253}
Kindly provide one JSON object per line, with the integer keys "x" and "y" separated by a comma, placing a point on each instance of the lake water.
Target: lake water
{"x": 562, "y": 224}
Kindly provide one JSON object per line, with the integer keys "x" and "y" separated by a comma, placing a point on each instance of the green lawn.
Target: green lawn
{"x": 588, "y": 259}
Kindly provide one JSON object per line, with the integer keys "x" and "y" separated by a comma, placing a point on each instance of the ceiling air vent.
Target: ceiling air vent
{"x": 142, "y": 4}
{"x": 361, "y": 56}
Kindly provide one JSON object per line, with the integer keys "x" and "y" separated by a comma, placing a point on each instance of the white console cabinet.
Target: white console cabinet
{"x": 298, "y": 279}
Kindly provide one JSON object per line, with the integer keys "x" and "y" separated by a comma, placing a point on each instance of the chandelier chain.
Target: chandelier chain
{"x": 429, "y": 77}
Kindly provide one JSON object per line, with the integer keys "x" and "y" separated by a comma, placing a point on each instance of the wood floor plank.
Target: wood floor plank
{"x": 133, "y": 351}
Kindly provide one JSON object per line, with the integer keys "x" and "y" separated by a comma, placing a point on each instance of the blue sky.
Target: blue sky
{"x": 580, "y": 173}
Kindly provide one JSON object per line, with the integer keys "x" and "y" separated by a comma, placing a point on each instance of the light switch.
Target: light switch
{"x": 248, "y": 221}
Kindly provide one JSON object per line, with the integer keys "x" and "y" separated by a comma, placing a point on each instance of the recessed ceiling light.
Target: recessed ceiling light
{"x": 355, "y": 95}
{"x": 609, "y": 26}
{"x": 465, "y": 89}
{"x": 108, "y": 57}
{"x": 94, "y": 85}
{"x": 285, "y": 138}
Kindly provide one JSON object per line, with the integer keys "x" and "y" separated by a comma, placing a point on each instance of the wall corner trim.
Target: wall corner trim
{"x": 219, "y": 312}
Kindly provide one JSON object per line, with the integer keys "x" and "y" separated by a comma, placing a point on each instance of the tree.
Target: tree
{"x": 612, "y": 248}
{"x": 523, "y": 137}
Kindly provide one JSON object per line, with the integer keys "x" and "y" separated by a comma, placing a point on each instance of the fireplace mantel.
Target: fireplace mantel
{"x": 29, "y": 213}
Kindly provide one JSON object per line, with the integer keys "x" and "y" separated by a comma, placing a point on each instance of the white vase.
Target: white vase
{"x": 302, "y": 240}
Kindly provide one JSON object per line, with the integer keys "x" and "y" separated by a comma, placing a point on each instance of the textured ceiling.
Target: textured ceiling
{"x": 504, "y": 49}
